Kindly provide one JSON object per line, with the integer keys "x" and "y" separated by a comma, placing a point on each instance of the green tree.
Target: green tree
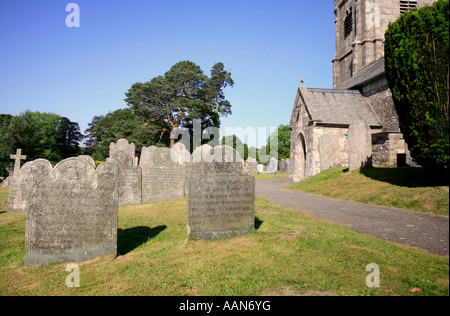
{"x": 281, "y": 139}
{"x": 182, "y": 95}
{"x": 122, "y": 123}
{"x": 417, "y": 70}
{"x": 68, "y": 138}
{"x": 26, "y": 132}
{"x": 39, "y": 135}
{"x": 5, "y": 142}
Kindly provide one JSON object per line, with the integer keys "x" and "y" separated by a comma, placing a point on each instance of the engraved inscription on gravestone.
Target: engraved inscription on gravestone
{"x": 73, "y": 212}
{"x": 221, "y": 206}
{"x": 221, "y": 203}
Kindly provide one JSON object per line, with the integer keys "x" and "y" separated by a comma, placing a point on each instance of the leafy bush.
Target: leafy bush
{"x": 417, "y": 69}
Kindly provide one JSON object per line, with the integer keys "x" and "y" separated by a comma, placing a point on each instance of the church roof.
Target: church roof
{"x": 337, "y": 107}
{"x": 369, "y": 73}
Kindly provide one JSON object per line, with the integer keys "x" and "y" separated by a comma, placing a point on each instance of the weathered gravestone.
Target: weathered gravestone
{"x": 123, "y": 154}
{"x": 162, "y": 177}
{"x": 272, "y": 167}
{"x": 196, "y": 166}
{"x": 260, "y": 168}
{"x": 18, "y": 191}
{"x": 180, "y": 154}
{"x": 18, "y": 157}
{"x": 288, "y": 163}
{"x": 359, "y": 145}
{"x": 329, "y": 152}
{"x": 221, "y": 203}
{"x": 251, "y": 166}
{"x": 72, "y": 213}
{"x": 88, "y": 159}
{"x": 283, "y": 167}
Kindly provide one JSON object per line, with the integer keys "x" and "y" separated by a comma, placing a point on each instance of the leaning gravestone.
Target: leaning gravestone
{"x": 123, "y": 154}
{"x": 221, "y": 203}
{"x": 359, "y": 145}
{"x": 272, "y": 167}
{"x": 72, "y": 213}
{"x": 329, "y": 152}
{"x": 162, "y": 177}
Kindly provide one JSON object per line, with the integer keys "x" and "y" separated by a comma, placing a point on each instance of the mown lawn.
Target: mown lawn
{"x": 289, "y": 252}
{"x": 413, "y": 189}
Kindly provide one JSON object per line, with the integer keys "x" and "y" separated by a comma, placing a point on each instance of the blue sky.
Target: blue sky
{"x": 81, "y": 72}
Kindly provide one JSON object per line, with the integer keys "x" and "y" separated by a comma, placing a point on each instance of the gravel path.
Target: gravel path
{"x": 408, "y": 228}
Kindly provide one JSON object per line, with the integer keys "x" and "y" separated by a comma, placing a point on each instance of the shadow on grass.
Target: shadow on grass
{"x": 258, "y": 223}
{"x": 2, "y": 212}
{"x": 410, "y": 177}
{"x": 131, "y": 238}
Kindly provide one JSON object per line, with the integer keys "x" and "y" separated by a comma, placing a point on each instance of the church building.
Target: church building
{"x": 321, "y": 117}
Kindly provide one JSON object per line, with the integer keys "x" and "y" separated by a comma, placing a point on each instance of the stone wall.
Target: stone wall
{"x": 386, "y": 148}
{"x": 380, "y": 99}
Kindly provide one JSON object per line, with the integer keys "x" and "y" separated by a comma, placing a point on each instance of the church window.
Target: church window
{"x": 406, "y": 5}
{"x": 348, "y": 23}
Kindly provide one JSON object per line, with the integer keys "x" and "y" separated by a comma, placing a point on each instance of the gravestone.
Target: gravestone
{"x": 196, "y": 166}
{"x": 123, "y": 155}
{"x": 18, "y": 157}
{"x": 7, "y": 182}
{"x": 180, "y": 154}
{"x": 260, "y": 168}
{"x": 89, "y": 159}
{"x": 18, "y": 191}
{"x": 72, "y": 213}
{"x": 9, "y": 169}
{"x": 359, "y": 145}
{"x": 283, "y": 167}
{"x": 329, "y": 152}
{"x": 162, "y": 177}
{"x": 146, "y": 155}
{"x": 251, "y": 166}
{"x": 288, "y": 163}
{"x": 221, "y": 203}
{"x": 272, "y": 167}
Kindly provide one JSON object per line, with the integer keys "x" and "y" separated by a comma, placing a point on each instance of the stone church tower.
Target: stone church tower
{"x": 321, "y": 118}
{"x": 360, "y": 29}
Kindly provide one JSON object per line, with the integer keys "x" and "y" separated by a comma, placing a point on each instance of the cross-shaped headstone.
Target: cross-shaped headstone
{"x": 17, "y": 157}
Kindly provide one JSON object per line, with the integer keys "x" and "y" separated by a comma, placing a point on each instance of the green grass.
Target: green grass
{"x": 413, "y": 189}
{"x": 289, "y": 250}
{"x": 4, "y": 199}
